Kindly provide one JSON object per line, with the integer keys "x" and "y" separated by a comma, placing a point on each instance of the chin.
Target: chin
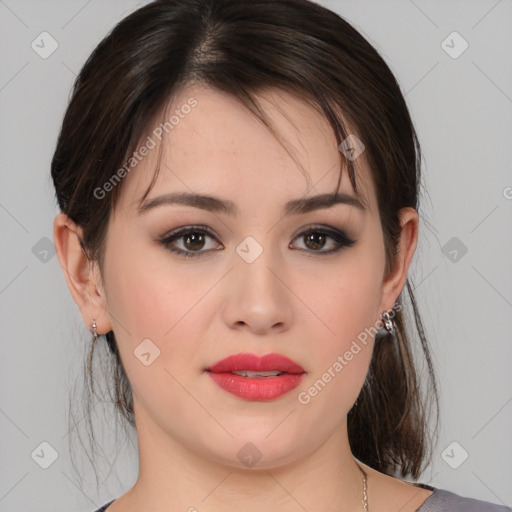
{"x": 254, "y": 457}
{"x": 263, "y": 448}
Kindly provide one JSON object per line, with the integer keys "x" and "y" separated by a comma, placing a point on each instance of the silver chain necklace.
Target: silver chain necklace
{"x": 364, "y": 501}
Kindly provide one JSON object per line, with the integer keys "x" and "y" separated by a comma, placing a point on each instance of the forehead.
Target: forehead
{"x": 211, "y": 143}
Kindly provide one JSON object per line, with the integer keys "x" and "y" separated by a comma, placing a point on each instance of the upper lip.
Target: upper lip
{"x": 256, "y": 363}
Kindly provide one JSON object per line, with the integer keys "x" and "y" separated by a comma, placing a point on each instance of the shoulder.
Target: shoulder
{"x": 104, "y": 507}
{"x": 439, "y": 501}
{"x": 445, "y": 501}
{"x": 398, "y": 494}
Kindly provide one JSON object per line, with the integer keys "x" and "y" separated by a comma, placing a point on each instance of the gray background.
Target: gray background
{"x": 462, "y": 109}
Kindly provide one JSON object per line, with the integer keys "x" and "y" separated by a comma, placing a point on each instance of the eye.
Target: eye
{"x": 195, "y": 241}
{"x": 317, "y": 238}
{"x": 190, "y": 242}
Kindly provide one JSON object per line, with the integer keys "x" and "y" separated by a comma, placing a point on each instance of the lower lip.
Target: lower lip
{"x": 259, "y": 389}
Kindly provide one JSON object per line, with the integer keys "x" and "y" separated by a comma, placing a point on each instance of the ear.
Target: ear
{"x": 82, "y": 275}
{"x": 394, "y": 282}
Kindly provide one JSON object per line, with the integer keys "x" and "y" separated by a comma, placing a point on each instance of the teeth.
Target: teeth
{"x": 247, "y": 373}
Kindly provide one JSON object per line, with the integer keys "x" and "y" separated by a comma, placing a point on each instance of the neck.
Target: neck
{"x": 174, "y": 476}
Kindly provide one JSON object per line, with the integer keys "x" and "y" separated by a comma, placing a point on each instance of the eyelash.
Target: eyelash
{"x": 341, "y": 238}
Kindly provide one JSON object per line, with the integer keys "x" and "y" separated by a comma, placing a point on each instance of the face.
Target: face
{"x": 188, "y": 285}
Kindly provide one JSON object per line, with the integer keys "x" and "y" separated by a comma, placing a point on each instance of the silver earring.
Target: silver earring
{"x": 93, "y": 326}
{"x": 388, "y": 322}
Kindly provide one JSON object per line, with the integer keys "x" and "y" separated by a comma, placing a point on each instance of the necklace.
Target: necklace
{"x": 364, "y": 501}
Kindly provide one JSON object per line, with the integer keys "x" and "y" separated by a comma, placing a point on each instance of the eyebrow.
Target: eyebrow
{"x": 216, "y": 205}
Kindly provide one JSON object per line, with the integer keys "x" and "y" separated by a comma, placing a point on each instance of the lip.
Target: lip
{"x": 256, "y": 388}
{"x": 255, "y": 363}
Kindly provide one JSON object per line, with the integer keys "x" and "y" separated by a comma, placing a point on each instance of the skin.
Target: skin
{"x": 291, "y": 300}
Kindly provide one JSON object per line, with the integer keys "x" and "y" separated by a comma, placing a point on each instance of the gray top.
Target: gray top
{"x": 446, "y": 501}
{"x": 439, "y": 501}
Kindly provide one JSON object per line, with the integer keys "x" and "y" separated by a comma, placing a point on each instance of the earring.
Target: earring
{"x": 93, "y": 326}
{"x": 388, "y": 322}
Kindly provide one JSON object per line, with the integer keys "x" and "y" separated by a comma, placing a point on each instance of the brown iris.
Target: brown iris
{"x": 194, "y": 241}
{"x": 314, "y": 240}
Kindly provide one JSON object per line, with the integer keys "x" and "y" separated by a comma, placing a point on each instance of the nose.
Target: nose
{"x": 257, "y": 298}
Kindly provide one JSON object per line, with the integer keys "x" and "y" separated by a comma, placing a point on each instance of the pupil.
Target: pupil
{"x": 315, "y": 240}
{"x": 194, "y": 241}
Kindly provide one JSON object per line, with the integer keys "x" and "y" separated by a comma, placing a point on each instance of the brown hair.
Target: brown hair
{"x": 241, "y": 48}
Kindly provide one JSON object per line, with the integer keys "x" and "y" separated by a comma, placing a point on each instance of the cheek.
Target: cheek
{"x": 148, "y": 301}
{"x": 348, "y": 305}
{"x": 352, "y": 295}
{"x": 340, "y": 361}
{"x": 146, "y": 297}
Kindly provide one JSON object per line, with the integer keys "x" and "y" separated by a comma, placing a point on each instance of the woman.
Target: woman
{"x": 238, "y": 184}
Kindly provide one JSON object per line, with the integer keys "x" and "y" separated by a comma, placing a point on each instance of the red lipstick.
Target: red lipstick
{"x": 259, "y": 378}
